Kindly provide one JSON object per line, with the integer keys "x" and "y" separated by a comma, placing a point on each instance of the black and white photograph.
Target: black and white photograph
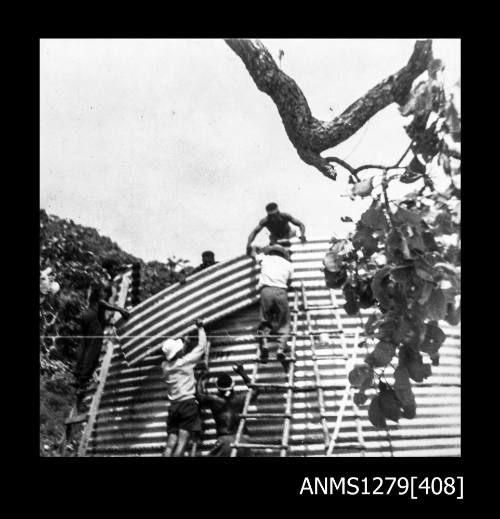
{"x": 250, "y": 247}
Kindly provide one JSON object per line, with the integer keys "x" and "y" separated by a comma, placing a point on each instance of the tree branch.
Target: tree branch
{"x": 354, "y": 171}
{"x": 309, "y": 135}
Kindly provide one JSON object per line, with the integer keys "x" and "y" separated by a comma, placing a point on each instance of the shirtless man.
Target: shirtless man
{"x": 93, "y": 322}
{"x": 226, "y": 408}
{"x": 278, "y": 225}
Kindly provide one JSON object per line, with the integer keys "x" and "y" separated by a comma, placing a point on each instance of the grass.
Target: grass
{"x": 57, "y": 397}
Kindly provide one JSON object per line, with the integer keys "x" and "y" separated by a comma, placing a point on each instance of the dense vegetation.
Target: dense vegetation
{"x": 77, "y": 257}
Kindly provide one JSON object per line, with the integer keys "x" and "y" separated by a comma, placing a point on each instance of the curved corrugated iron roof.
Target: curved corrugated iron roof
{"x": 131, "y": 419}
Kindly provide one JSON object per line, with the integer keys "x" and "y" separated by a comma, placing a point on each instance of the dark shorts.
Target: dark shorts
{"x": 184, "y": 415}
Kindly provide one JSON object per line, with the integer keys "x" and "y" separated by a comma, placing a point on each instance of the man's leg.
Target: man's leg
{"x": 171, "y": 442}
{"x": 283, "y": 328}
{"x": 91, "y": 359}
{"x": 266, "y": 306}
{"x": 80, "y": 354}
{"x": 182, "y": 440}
{"x": 222, "y": 449}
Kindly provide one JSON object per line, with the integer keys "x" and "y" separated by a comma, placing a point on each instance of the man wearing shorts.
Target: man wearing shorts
{"x": 183, "y": 420}
{"x": 226, "y": 407}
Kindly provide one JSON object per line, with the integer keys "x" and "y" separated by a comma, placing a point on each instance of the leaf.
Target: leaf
{"x": 381, "y": 355}
{"x": 414, "y": 363}
{"x": 425, "y": 292}
{"x": 389, "y": 403}
{"x": 429, "y": 241}
{"x": 351, "y": 305}
{"x": 416, "y": 242}
{"x": 416, "y": 166}
{"x": 403, "y": 331}
{"x": 403, "y": 390}
{"x": 360, "y": 398}
{"x": 434, "y": 338}
{"x": 423, "y": 274}
{"x": 375, "y": 414}
{"x": 363, "y": 239}
{"x": 363, "y": 188}
{"x": 409, "y": 176}
{"x": 452, "y": 118}
{"x": 332, "y": 261}
{"x": 435, "y": 359}
{"x": 447, "y": 267}
{"x": 374, "y": 217}
{"x": 360, "y": 374}
{"x": 335, "y": 279}
{"x": 379, "y": 286}
{"x": 436, "y": 65}
{"x": 365, "y": 294}
{"x": 452, "y": 314}
{"x": 371, "y": 324}
{"x": 404, "y": 216}
{"x": 437, "y": 305}
{"x": 403, "y": 274}
{"x": 397, "y": 244}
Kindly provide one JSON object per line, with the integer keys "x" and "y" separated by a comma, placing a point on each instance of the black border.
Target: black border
{"x": 267, "y": 479}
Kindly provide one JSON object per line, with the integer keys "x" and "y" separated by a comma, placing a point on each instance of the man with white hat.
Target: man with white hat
{"x": 183, "y": 420}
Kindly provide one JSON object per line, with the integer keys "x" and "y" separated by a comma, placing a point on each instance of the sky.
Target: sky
{"x": 168, "y": 147}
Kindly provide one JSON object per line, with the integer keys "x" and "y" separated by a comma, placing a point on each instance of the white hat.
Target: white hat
{"x": 171, "y": 347}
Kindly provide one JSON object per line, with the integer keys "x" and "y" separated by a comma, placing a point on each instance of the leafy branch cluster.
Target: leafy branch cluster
{"x": 404, "y": 258}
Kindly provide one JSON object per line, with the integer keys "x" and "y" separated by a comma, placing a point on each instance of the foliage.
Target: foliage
{"x": 77, "y": 256}
{"x": 404, "y": 257}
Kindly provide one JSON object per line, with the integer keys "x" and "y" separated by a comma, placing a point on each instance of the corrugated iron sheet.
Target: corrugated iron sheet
{"x": 210, "y": 294}
{"x": 132, "y": 415}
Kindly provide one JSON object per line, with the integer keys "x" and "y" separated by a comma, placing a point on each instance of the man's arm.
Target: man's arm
{"x": 201, "y": 392}
{"x": 109, "y": 306}
{"x": 238, "y": 368}
{"x": 254, "y": 233}
{"x": 289, "y": 275}
{"x": 196, "y": 354}
{"x": 302, "y": 227}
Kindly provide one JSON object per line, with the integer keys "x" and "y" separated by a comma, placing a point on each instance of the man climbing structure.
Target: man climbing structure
{"x": 275, "y": 278}
{"x": 278, "y": 225}
{"x": 183, "y": 422}
{"x": 226, "y": 407}
{"x": 93, "y": 322}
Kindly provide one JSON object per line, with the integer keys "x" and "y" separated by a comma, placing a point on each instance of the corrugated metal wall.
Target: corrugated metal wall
{"x": 132, "y": 415}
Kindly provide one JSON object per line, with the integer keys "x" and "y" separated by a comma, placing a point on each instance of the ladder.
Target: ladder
{"x": 330, "y": 441}
{"x": 287, "y": 416}
{"x": 319, "y": 386}
{"x": 347, "y": 396}
{"x": 193, "y": 452}
{"x": 89, "y": 418}
{"x": 317, "y": 377}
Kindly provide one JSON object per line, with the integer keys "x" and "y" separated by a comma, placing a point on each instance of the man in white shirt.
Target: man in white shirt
{"x": 275, "y": 277}
{"x": 178, "y": 368}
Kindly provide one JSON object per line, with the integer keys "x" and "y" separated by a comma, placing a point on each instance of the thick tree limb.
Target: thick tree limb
{"x": 309, "y": 135}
